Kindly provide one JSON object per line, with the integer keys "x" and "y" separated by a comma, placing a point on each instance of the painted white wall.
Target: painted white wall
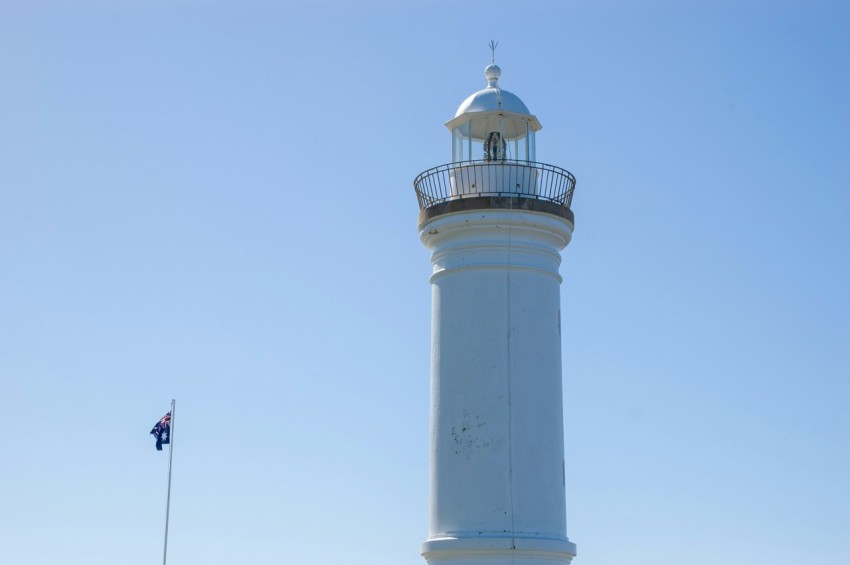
{"x": 497, "y": 449}
{"x": 502, "y": 177}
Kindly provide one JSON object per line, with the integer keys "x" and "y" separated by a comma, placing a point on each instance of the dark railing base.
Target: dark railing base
{"x": 495, "y": 203}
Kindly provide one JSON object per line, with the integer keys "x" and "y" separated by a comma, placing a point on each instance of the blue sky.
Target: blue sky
{"x": 212, "y": 201}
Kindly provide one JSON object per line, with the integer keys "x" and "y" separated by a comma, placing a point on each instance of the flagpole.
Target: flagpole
{"x": 168, "y": 496}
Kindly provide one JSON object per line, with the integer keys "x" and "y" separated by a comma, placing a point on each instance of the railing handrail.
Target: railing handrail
{"x": 508, "y": 178}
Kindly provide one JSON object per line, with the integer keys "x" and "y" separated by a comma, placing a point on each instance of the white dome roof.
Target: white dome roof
{"x": 492, "y": 98}
{"x": 494, "y": 109}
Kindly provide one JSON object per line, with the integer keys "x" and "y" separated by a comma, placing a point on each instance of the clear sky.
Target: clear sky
{"x": 212, "y": 201}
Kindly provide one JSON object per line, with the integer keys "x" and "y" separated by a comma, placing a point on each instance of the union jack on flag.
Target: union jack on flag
{"x": 162, "y": 431}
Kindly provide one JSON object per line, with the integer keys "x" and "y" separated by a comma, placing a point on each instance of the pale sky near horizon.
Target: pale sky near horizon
{"x": 212, "y": 201}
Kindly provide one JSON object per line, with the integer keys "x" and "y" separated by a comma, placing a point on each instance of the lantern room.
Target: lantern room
{"x": 493, "y": 125}
{"x": 493, "y": 159}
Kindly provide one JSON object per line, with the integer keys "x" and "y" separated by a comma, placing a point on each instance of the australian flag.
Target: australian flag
{"x": 162, "y": 431}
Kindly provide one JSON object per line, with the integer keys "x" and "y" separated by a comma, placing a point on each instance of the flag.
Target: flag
{"x": 162, "y": 431}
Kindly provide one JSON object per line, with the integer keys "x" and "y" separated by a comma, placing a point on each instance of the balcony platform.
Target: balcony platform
{"x": 503, "y": 184}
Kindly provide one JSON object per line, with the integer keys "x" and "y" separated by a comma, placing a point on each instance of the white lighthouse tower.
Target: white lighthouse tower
{"x": 495, "y": 222}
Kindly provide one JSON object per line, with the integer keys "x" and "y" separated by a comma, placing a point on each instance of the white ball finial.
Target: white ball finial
{"x": 492, "y": 73}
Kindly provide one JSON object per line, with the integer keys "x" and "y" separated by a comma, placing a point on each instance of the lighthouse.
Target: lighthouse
{"x": 495, "y": 222}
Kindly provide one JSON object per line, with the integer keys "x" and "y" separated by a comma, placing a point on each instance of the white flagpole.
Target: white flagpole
{"x": 168, "y": 496}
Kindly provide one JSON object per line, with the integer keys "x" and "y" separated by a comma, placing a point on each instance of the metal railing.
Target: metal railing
{"x": 468, "y": 179}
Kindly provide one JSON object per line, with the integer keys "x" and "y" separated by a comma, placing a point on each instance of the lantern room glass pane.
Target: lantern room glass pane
{"x": 458, "y": 142}
{"x": 462, "y": 144}
{"x": 509, "y": 138}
